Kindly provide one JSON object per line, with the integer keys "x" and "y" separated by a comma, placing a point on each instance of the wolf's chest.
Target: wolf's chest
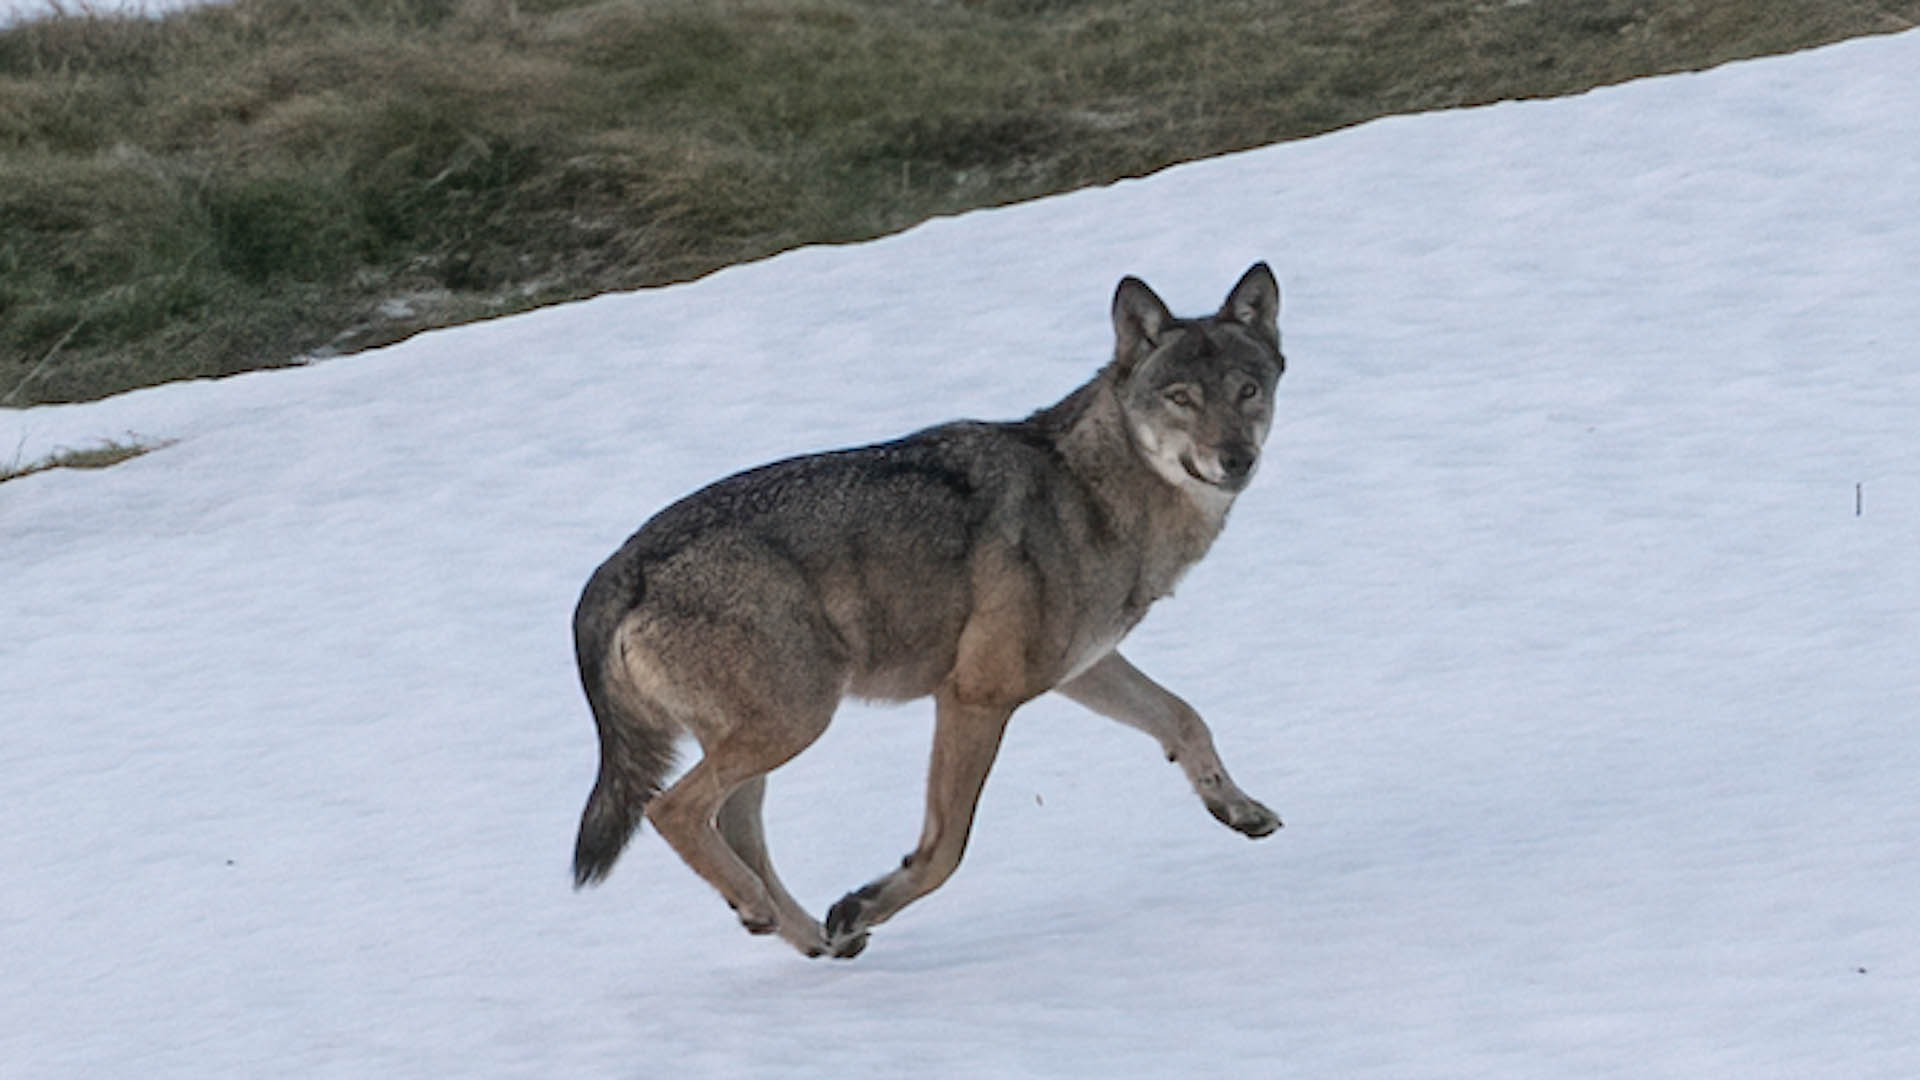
{"x": 1123, "y": 610}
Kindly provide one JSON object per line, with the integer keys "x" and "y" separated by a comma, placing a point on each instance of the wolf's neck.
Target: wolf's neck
{"x": 1165, "y": 524}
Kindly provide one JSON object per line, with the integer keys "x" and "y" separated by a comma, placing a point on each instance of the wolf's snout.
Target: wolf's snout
{"x": 1237, "y": 462}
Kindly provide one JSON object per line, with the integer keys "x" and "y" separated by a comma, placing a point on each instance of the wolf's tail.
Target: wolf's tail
{"x": 636, "y": 754}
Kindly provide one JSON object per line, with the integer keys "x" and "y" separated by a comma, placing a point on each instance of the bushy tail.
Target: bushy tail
{"x": 635, "y": 755}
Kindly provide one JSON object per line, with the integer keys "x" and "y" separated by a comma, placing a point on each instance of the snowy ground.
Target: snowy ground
{"x": 12, "y": 11}
{"x": 1550, "y": 627}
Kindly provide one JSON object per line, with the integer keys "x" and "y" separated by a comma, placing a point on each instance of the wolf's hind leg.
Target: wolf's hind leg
{"x": 689, "y": 814}
{"x": 1116, "y": 689}
{"x": 740, "y": 823}
{"x": 966, "y": 738}
{"x": 684, "y": 815}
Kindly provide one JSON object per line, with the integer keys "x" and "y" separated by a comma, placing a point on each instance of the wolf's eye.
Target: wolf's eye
{"x": 1248, "y": 392}
{"x": 1181, "y": 398}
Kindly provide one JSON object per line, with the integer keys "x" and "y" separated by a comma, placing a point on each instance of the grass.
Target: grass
{"x": 238, "y": 186}
{"x": 94, "y": 457}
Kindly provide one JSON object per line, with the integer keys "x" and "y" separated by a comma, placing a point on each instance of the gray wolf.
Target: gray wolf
{"x": 981, "y": 564}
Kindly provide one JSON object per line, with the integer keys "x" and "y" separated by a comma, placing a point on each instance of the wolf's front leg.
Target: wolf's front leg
{"x": 966, "y": 739}
{"x": 1116, "y": 689}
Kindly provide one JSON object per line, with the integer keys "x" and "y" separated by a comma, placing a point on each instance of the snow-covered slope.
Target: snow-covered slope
{"x": 1551, "y": 628}
{"x": 12, "y": 11}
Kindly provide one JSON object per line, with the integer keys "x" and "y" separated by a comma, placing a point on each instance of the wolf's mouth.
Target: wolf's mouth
{"x": 1224, "y": 483}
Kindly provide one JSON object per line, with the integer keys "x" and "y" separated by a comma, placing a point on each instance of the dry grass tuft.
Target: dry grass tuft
{"x": 103, "y": 455}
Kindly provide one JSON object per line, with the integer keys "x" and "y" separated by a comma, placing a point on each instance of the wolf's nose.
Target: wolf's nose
{"x": 1236, "y": 462}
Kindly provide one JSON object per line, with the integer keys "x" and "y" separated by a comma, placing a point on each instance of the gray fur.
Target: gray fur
{"x": 982, "y": 564}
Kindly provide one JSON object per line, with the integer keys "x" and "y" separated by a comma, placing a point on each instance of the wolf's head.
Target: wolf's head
{"x": 1198, "y": 393}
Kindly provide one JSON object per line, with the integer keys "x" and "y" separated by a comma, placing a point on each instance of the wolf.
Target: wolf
{"x": 982, "y": 564}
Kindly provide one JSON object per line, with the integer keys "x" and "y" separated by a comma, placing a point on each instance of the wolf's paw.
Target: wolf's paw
{"x": 846, "y": 948}
{"x": 847, "y": 926}
{"x": 1245, "y": 816}
{"x": 757, "y": 921}
{"x": 805, "y": 935}
{"x": 810, "y": 940}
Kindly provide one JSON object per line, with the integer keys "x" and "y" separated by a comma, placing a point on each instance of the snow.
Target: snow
{"x": 12, "y": 11}
{"x": 1550, "y": 628}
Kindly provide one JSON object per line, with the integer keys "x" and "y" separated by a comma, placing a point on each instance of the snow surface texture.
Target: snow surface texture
{"x": 1550, "y": 627}
{"x": 12, "y": 11}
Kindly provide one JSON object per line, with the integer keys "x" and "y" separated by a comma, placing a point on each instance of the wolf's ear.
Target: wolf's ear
{"x": 1139, "y": 318}
{"x": 1255, "y": 303}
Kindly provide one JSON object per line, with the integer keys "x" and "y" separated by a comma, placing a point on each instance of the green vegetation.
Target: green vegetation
{"x": 231, "y": 187}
